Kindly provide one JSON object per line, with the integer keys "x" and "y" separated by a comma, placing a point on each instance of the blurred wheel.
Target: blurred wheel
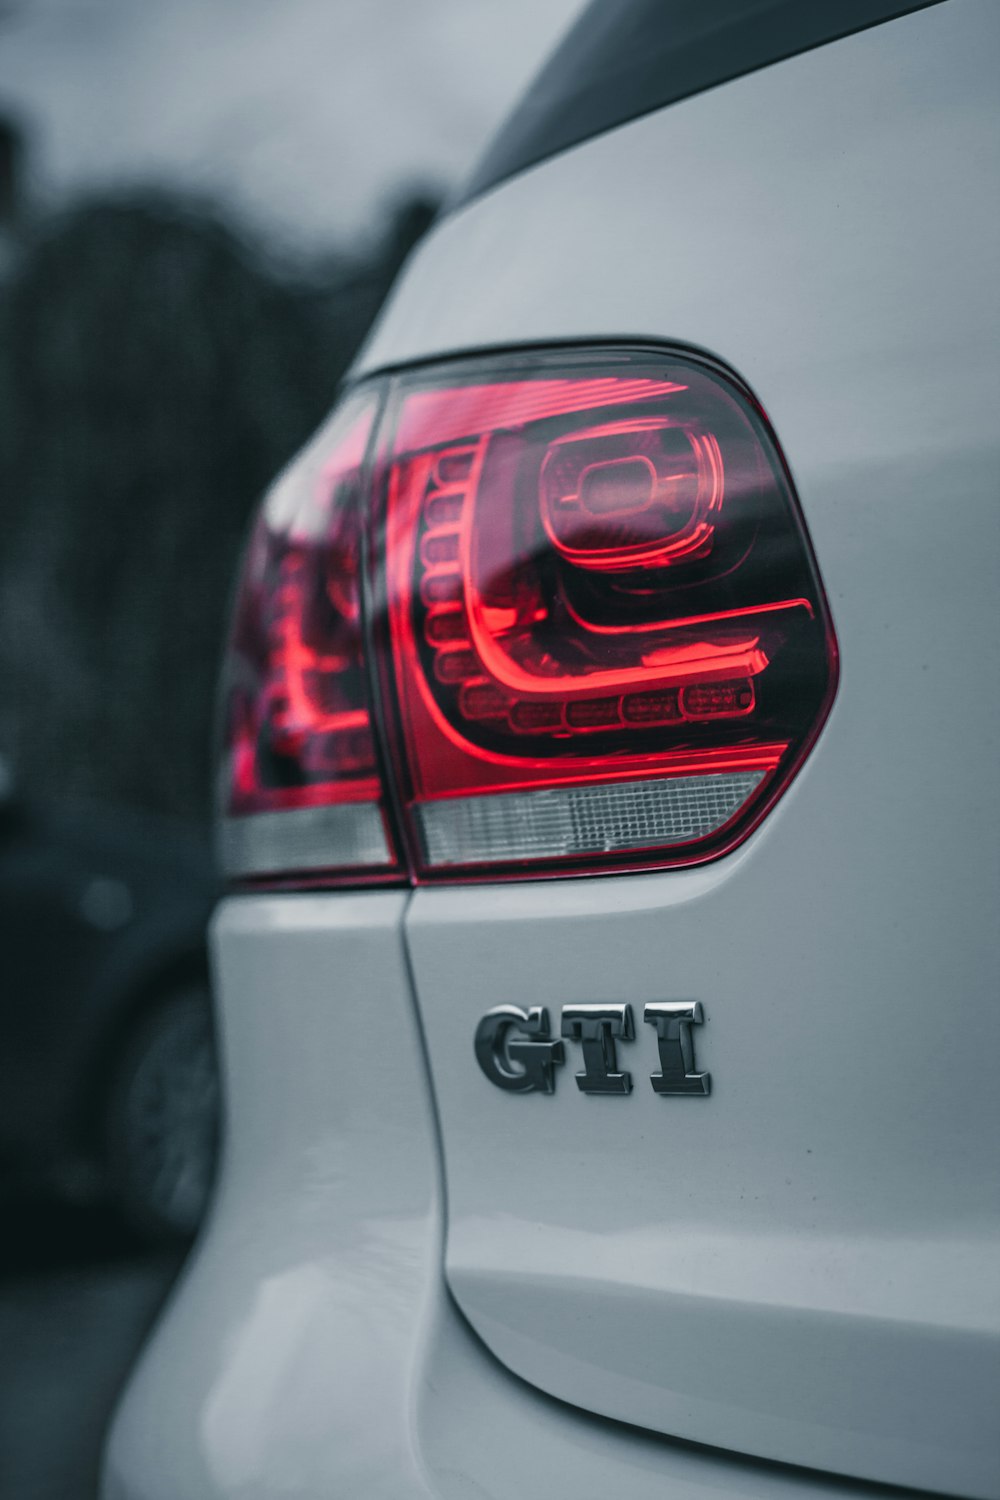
{"x": 162, "y": 1118}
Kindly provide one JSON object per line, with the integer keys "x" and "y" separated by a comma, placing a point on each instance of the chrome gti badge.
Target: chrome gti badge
{"x": 517, "y": 1052}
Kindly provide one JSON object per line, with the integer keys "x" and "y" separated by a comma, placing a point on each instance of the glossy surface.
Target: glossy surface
{"x": 673, "y": 1020}
{"x": 311, "y": 1349}
{"x": 597, "y": 1028}
{"x": 286, "y": 1359}
{"x": 624, "y": 60}
{"x": 515, "y": 1050}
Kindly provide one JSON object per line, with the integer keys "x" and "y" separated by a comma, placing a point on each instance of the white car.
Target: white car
{"x": 609, "y": 985}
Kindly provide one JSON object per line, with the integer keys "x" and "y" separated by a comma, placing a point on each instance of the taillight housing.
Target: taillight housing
{"x": 581, "y": 587}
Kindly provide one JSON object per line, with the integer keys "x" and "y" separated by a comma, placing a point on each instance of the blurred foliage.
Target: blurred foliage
{"x": 155, "y": 373}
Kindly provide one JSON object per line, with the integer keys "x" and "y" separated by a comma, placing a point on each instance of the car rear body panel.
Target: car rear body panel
{"x": 805, "y": 1264}
{"x": 311, "y": 1348}
{"x": 325, "y": 1234}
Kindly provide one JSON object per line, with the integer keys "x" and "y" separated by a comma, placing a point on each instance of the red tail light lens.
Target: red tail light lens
{"x": 300, "y": 785}
{"x": 608, "y": 643}
{"x": 602, "y": 642}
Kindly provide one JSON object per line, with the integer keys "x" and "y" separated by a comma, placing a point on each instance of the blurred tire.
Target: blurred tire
{"x": 162, "y": 1118}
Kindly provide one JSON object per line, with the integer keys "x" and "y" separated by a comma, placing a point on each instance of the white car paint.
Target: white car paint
{"x": 311, "y": 1348}
{"x": 803, "y": 1266}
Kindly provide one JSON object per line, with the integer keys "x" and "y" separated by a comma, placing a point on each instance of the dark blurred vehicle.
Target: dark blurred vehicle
{"x": 108, "y": 1083}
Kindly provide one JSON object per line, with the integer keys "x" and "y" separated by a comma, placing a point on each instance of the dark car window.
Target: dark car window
{"x": 624, "y": 58}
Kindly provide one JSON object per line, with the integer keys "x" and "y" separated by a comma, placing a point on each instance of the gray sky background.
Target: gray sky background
{"x": 301, "y": 115}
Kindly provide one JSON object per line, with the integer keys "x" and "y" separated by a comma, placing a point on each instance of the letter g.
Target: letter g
{"x": 533, "y": 1056}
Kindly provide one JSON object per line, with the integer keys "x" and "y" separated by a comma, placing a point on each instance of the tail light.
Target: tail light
{"x": 300, "y": 786}
{"x": 588, "y": 605}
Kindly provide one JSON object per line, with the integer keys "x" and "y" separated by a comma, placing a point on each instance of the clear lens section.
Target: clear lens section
{"x": 304, "y": 839}
{"x": 592, "y": 578}
{"x": 565, "y": 822}
{"x": 300, "y": 786}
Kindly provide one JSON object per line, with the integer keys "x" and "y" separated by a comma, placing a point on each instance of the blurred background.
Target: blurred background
{"x": 202, "y": 206}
